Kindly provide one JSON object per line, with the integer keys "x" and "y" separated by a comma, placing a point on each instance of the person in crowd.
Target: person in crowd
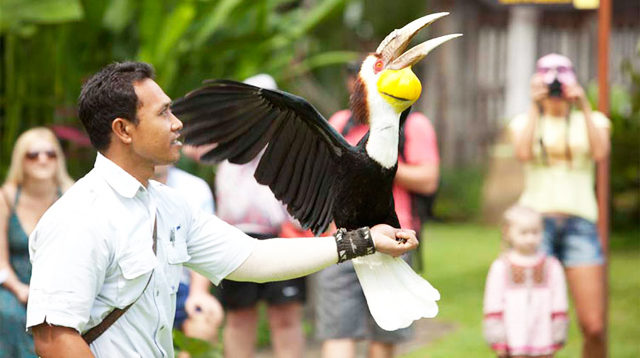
{"x": 253, "y": 208}
{"x": 108, "y": 256}
{"x": 36, "y": 178}
{"x": 525, "y": 297}
{"x": 560, "y": 139}
{"x": 198, "y": 312}
{"x": 342, "y": 315}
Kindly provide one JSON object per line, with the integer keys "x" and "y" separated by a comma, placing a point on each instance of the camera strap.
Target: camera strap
{"x": 567, "y": 146}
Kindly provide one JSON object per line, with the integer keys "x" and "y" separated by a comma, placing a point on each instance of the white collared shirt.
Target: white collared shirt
{"x": 92, "y": 251}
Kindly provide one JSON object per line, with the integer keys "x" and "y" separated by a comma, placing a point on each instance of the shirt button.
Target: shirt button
{"x": 157, "y": 293}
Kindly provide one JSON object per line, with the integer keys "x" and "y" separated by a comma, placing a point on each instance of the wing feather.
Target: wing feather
{"x": 302, "y": 153}
{"x": 301, "y": 156}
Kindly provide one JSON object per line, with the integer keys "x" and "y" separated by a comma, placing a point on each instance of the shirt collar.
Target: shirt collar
{"x": 121, "y": 181}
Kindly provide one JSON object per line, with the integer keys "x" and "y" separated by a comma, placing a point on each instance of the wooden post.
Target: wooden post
{"x": 602, "y": 178}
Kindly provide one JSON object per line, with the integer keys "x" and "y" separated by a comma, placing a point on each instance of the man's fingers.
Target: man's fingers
{"x": 407, "y": 237}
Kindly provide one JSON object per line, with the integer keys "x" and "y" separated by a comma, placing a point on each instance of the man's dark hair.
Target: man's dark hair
{"x": 109, "y": 94}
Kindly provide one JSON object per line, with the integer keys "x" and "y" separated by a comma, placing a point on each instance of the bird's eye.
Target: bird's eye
{"x": 378, "y": 66}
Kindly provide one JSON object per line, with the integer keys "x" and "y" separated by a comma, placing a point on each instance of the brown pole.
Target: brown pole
{"x": 602, "y": 176}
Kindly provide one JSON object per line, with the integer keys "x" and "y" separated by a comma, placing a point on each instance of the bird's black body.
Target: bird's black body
{"x": 307, "y": 164}
{"x": 363, "y": 192}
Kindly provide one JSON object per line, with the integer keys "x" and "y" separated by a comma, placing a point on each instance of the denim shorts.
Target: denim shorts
{"x": 573, "y": 240}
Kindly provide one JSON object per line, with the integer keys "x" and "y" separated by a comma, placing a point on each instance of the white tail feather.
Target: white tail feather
{"x": 395, "y": 294}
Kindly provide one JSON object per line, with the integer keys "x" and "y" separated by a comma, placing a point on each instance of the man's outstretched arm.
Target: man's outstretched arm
{"x": 59, "y": 341}
{"x": 281, "y": 259}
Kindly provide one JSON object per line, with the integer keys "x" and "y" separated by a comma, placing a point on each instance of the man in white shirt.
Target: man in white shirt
{"x": 198, "y": 313}
{"x": 118, "y": 238}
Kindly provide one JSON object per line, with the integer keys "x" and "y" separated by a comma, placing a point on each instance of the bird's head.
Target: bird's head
{"x": 387, "y": 74}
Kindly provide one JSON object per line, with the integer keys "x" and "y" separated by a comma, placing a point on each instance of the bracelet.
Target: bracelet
{"x": 354, "y": 243}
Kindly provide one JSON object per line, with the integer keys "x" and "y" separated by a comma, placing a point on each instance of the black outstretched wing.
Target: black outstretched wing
{"x": 300, "y": 162}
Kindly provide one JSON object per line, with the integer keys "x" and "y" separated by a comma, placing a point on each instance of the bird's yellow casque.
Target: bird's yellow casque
{"x": 400, "y": 88}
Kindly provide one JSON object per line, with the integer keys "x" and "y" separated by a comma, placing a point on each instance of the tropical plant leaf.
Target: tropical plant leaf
{"x": 216, "y": 18}
{"x": 118, "y": 15}
{"x": 14, "y": 13}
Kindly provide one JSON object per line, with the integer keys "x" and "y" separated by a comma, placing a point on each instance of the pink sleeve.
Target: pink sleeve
{"x": 339, "y": 119}
{"x": 421, "y": 145}
{"x": 559, "y": 302}
{"x": 493, "y": 306}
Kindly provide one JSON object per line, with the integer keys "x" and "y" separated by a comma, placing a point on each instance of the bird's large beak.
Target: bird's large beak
{"x": 418, "y": 52}
{"x": 397, "y": 41}
{"x": 398, "y": 85}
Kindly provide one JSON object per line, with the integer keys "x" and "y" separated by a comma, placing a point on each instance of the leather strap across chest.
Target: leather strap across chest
{"x": 95, "y": 332}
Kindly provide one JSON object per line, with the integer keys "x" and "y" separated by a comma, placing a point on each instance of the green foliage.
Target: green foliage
{"x": 457, "y": 259}
{"x": 19, "y": 16}
{"x": 51, "y": 46}
{"x": 625, "y": 149}
{"x": 196, "y": 348}
{"x": 460, "y": 193}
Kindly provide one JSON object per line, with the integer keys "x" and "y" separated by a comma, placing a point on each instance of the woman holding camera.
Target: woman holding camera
{"x": 560, "y": 139}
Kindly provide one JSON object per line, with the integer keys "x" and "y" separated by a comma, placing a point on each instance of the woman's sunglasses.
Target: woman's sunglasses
{"x": 559, "y": 69}
{"x": 51, "y": 154}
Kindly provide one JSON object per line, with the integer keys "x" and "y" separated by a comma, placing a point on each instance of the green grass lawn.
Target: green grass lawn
{"x": 457, "y": 260}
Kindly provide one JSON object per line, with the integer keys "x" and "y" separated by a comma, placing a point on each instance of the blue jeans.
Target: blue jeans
{"x": 573, "y": 240}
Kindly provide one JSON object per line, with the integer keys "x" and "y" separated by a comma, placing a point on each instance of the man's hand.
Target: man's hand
{"x": 394, "y": 242}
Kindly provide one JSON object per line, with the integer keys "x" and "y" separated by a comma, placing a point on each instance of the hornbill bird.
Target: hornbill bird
{"x": 312, "y": 169}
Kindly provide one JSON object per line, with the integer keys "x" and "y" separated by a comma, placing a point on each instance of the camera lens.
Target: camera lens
{"x": 555, "y": 88}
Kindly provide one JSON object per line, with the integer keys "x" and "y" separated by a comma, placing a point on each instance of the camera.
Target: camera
{"x": 555, "y": 88}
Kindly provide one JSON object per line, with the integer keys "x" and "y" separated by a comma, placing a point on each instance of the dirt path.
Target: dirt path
{"x": 426, "y": 331}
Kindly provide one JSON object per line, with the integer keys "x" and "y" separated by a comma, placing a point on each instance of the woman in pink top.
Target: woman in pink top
{"x": 525, "y": 298}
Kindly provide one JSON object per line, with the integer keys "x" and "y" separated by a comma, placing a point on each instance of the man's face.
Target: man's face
{"x": 155, "y": 138}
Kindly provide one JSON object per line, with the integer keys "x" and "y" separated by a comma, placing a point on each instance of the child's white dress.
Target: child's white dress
{"x": 525, "y": 306}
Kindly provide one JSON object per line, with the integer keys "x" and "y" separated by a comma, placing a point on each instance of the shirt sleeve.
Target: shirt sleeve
{"x": 493, "y": 307}
{"x": 421, "y": 145}
{"x": 69, "y": 263}
{"x": 215, "y": 247}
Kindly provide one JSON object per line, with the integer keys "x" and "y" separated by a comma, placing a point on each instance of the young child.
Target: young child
{"x": 525, "y": 298}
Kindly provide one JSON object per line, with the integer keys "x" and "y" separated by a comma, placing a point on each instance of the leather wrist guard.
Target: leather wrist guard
{"x": 354, "y": 243}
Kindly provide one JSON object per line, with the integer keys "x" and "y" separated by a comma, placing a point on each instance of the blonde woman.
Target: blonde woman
{"x": 37, "y": 177}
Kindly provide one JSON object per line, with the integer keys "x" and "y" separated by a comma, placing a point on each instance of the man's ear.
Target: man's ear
{"x": 122, "y": 129}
